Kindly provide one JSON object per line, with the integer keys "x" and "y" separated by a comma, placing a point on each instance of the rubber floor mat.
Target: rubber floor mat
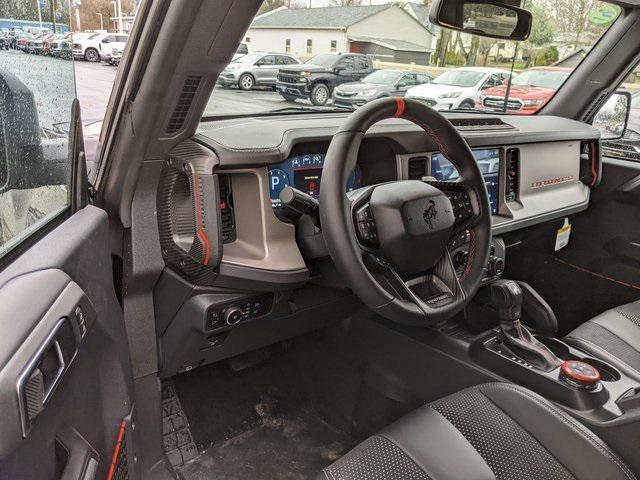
{"x": 255, "y": 424}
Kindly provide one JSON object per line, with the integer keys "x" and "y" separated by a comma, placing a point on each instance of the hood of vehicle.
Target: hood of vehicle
{"x": 306, "y": 67}
{"x": 355, "y": 87}
{"x": 523, "y": 92}
{"x": 431, "y": 90}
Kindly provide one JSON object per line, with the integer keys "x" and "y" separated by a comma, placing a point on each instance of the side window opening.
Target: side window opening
{"x": 36, "y": 96}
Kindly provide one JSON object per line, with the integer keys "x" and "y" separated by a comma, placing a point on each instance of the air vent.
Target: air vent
{"x": 512, "y": 159}
{"x": 226, "y": 209}
{"x": 480, "y": 124}
{"x": 185, "y": 100}
{"x": 417, "y": 168}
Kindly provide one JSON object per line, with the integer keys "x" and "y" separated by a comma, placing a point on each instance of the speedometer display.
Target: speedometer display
{"x": 304, "y": 172}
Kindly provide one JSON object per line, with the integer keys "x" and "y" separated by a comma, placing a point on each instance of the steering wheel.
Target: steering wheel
{"x": 390, "y": 240}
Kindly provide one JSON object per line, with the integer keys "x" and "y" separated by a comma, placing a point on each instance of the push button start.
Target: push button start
{"x": 579, "y": 374}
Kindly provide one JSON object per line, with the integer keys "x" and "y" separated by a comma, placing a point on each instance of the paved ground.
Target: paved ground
{"x": 94, "y": 83}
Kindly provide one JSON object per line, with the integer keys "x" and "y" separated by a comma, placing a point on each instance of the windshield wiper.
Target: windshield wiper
{"x": 291, "y": 110}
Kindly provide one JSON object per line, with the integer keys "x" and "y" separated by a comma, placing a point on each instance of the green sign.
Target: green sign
{"x": 604, "y": 14}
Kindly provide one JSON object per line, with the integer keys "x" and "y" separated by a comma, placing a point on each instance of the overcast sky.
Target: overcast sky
{"x": 325, "y": 3}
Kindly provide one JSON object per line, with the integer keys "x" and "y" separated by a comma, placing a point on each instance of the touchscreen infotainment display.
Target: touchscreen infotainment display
{"x": 489, "y": 163}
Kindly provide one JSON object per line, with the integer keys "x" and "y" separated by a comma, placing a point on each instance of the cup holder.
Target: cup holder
{"x": 562, "y": 351}
{"x": 607, "y": 372}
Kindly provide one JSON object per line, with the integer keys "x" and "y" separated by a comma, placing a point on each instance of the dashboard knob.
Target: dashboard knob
{"x": 233, "y": 315}
{"x": 495, "y": 267}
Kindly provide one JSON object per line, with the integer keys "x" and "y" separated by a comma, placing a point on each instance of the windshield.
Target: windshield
{"x": 459, "y": 78}
{"x": 383, "y": 77}
{"x": 377, "y": 42}
{"x": 323, "y": 60}
{"x": 541, "y": 78}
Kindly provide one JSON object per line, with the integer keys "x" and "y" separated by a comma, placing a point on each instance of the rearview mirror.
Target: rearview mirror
{"x": 487, "y": 18}
{"x": 612, "y": 118}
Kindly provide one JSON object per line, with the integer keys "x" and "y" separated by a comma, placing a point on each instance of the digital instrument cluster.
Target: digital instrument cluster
{"x": 489, "y": 163}
{"x": 303, "y": 172}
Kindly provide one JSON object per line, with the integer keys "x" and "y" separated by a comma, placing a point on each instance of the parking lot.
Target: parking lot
{"x": 94, "y": 82}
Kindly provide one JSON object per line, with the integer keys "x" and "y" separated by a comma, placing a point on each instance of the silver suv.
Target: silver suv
{"x": 255, "y": 70}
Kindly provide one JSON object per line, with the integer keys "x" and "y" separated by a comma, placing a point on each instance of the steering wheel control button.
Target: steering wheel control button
{"x": 365, "y": 226}
{"x": 461, "y": 203}
{"x": 579, "y": 374}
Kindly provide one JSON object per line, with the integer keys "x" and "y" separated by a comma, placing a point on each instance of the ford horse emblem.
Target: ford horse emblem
{"x": 430, "y": 213}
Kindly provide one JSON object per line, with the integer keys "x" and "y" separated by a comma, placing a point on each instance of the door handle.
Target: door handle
{"x": 43, "y": 373}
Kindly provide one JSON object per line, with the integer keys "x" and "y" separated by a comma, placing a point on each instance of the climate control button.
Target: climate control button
{"x": 233, "y": 315}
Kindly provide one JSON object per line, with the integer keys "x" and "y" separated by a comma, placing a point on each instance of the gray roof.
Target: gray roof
{"x": 324, "y": 17}
{"x": 393, "y": 44}
{"x": 420, "y": 11}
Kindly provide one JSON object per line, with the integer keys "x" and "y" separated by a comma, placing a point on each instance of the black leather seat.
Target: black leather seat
{"x": 492, "y": 431}
{"x": 614, "y": 337}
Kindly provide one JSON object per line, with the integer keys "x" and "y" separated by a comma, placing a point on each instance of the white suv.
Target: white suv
{"x": 95, "y": 46}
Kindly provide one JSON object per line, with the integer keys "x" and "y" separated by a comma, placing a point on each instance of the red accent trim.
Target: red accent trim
{"x": 599, "y": 275}
{"x": 201, "y": 233}
{"x": 566, "y": 369}
{"x": 399, "y": 107}
{"x": 116, "y": 450}
{"x": 594, "y": 173}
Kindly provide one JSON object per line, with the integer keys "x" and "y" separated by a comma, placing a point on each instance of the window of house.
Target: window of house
{"x": 287, "y": 45}
{"x": 334, "y": 46}
{"x": 309, "y": 46}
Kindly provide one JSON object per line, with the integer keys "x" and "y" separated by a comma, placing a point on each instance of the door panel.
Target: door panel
{"x": 40, "y": 293}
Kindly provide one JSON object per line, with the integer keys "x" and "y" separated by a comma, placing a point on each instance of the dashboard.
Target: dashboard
{"x": 304, "y": 172}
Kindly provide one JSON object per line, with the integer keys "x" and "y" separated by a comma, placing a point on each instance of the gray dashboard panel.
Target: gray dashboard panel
{"x": 265, "y": 140}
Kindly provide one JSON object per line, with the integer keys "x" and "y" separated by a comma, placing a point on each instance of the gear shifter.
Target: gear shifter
{"x": 507, "y": 298}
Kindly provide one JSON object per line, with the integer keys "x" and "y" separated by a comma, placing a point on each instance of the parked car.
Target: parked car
{"x": 629, "y": 145}
{"x": 22, "y": 40}
{"x": 459, "y": 88}
{"x": 35, "y": 45}
{"x": 317, "y": 78}
{"x": 92, "y": 47}
{"x": 111, "y": 43}
{"x": 529, "y": 91}
{"x": 5, "y": 41}
{"x": 115, "y": 57}
{"x": 255, "y": 70}
{"x": 243, "y": 49}
{"x": 61, "y": 49}
{"x": 51, "y": 39}
{"x": 379, "y": 84}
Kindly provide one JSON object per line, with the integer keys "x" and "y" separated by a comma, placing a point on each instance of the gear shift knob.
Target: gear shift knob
{"x": 506, "y": 295}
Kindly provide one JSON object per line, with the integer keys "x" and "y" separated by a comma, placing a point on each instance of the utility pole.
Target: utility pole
{"x": 119, "y": 3}
{"x": 52, "y": 6}
{"x": 39, "y": 13}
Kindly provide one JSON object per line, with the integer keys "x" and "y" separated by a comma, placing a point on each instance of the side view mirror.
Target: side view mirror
{"x": 613, "y": 117}
{"x": 487, "y": 18}
{"x": 401, "y": 85}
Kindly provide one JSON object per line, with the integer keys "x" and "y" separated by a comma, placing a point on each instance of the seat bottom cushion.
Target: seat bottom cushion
{"x": 492, "y": 431}
{"x": 613, "y": 336}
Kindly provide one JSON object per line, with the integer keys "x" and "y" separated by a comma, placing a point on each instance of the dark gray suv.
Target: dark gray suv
{"x": 381, "y": 83}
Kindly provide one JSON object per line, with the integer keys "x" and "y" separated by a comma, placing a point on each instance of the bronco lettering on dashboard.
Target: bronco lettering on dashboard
{"x": 552, "y": 181}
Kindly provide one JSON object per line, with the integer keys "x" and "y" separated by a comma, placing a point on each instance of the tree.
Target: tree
{"x": 346, "y": 3}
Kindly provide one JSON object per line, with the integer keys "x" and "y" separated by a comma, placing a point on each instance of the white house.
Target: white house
{"x": 386, "y": 32}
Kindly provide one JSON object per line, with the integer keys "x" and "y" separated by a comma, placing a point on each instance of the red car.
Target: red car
{"x": 530, "y": 90}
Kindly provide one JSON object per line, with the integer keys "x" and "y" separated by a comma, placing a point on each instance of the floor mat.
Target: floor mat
{"x": 255, "y": 424}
